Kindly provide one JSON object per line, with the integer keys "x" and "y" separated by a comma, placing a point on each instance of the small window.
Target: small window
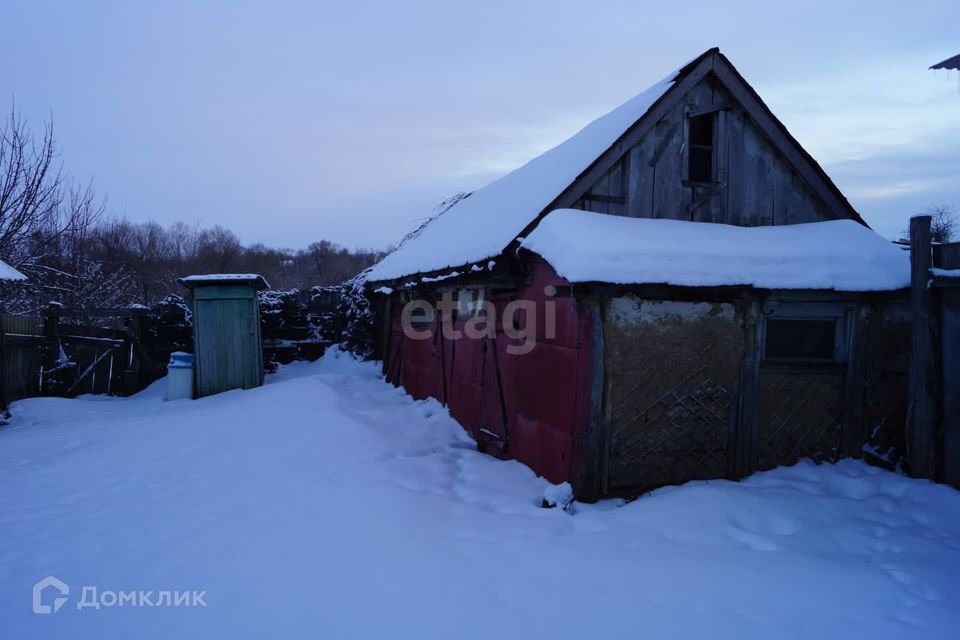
{"x": 700, "y": 138}
{"x": 470, "y": 303}
{"x": 801, "y": 340}
{"x": 464, "y": 303}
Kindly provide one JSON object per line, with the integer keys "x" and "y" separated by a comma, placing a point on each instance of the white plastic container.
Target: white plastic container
{"x": 180, "y": 376}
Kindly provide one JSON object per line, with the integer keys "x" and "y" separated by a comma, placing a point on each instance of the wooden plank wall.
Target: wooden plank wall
{"x": 23, "y": 340}
{"x": 755, "y": 184}
{"x": 99, "y": 358}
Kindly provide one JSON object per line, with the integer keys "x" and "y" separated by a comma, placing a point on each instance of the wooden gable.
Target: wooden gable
{"x": 755, "y": 174}
{"x": 758, "y": 173}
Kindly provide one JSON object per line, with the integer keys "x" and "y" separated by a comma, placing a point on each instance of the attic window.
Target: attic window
{"x": 701, "y": 139}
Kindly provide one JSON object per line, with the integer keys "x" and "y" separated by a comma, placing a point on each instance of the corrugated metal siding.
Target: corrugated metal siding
{"x": 543, "y": 394}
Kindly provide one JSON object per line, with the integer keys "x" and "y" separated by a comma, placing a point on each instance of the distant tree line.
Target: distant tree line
{"x": 150, "y": 257}
{"x": 56, "y": 233}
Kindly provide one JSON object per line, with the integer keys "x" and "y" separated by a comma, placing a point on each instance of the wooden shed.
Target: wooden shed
{"x": 676, "y": 292}
{"x": 226, "y": 331}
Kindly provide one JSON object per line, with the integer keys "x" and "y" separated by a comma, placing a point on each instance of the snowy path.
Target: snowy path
{"x": 329, "y": 504}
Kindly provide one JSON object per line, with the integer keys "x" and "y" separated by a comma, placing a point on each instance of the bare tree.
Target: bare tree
{"x": 183, "y": 238}
{"x": 38, "y": 203}
{"x": 219, "y": 249}
{"x": 943, "y": 222}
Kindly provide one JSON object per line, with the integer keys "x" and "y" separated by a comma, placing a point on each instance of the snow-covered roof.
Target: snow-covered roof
{"x": 228, "y": 278}
{"x": 842, "y": 255}
{"x": 9, "y": 273}
{"x": 481, "y": 225}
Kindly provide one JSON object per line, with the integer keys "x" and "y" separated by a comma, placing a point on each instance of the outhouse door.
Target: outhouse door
{"x": 227, "y": 330}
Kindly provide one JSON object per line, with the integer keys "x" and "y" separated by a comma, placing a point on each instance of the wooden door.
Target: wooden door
{"x": 805, "y": 362}
{"x": 227, "y": 345}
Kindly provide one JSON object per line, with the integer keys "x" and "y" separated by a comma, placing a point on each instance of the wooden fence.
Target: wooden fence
{"x": 23, "y": 341}
{"x": 63, "y": 353}
{"x": 69, "y": 352}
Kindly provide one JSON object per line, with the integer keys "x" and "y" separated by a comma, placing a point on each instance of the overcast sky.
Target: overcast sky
{"x": 291, "y": 122}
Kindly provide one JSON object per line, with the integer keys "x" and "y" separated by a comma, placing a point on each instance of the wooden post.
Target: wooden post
{"x": 51, "y": 353}
{"x": 131, "y": 375}
{"x": 921, "y": 414}
{"x": 853, "y": 435}
{"x": 591, "y": 482}
{"x": 743, "y": 447}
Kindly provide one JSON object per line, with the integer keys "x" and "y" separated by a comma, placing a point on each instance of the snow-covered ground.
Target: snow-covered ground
{"x": 328, "y": 504}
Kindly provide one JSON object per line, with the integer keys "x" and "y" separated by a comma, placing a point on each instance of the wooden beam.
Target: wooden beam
{"x": 51, "y": 351}
{"x": 854, "y": 435}
{"x": 711, "y": 108}
{"x": 599, "y": 197}
{"x": 706, "y": 197}
{"x": 55, "y": 311}
{"x": 743, "y": 438}
{"x": 662, "y": 145}
{"x": 921, "y": 412}
{"x": 591, "y": 480}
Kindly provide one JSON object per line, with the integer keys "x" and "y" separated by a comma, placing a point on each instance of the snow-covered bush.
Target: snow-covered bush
{"x": 345, "y": 315}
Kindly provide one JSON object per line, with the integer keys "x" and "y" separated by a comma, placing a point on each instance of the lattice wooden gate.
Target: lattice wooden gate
{"x": 800, "y": 415}
{"x": 683, "y": 434}
{"x": 671, "y": 373}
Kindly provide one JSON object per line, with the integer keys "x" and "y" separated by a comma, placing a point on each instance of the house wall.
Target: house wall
{"x": 683, "y": 390}
{"x": 532, "y": 407}
{"x": 689, "y": 395}
{"x": 671, "y": 378}
{"x": 755, "y": 184}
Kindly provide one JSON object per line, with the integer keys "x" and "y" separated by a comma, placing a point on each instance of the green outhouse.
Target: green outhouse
{"x": 226, "y": 331}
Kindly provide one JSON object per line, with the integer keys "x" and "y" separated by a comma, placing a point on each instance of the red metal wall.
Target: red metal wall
{"x": 536, "y": 403}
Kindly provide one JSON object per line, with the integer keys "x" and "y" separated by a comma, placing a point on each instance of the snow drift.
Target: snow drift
{"x": 330, "y": 504}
